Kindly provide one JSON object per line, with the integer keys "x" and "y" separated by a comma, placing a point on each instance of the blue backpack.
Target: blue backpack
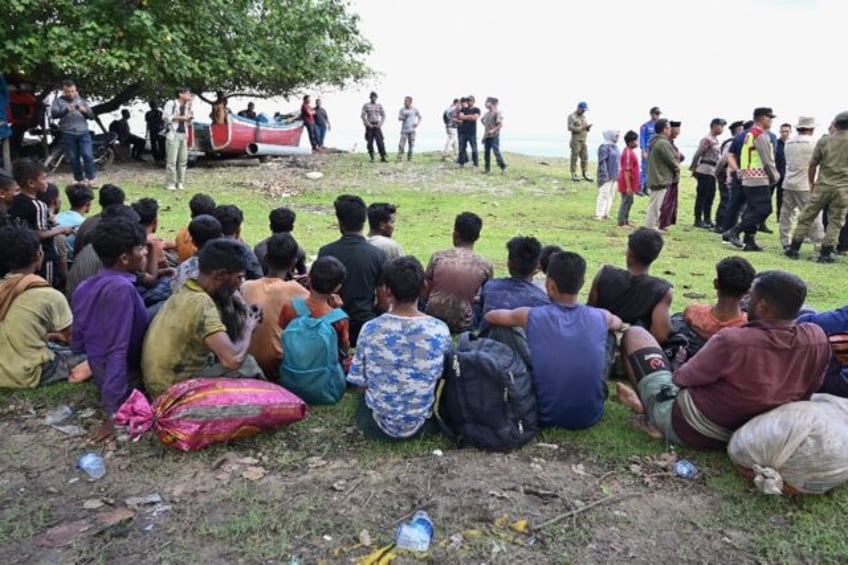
{"x": 310, "y": 366}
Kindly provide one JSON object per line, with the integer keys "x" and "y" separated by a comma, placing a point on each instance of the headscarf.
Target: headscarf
{"x": 610, "y": 135}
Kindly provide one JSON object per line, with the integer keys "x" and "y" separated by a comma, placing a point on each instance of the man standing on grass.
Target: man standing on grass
{"x": 703, "y": 167}
{"x": 177, "y": 116}
{"x": 830, "y": 161}
{"x": 758, "y": 172}
{"x": 450, "y": 129}
{"x": 73, "y": 113}
{"x": 410, "y": 118}
{"x": 796, "y": 185}
{"x": 373, "y": 117}
{"x": 468, "y": 116}
{"x": 322, "y": 122}
{"x": 492, "y": 125}
{"x": 579, "y": 127}
{"x": 646, "y": 134}
{"x": 662, "y": 166}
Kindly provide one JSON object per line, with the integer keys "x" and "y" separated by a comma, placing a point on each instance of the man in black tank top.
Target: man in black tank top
{"x": 633, "y": 295}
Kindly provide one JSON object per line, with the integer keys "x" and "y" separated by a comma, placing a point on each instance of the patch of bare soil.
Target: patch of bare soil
{"x": 273, "y": 499}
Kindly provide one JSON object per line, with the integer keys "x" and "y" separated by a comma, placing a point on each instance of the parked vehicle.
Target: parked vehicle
{"x": 103, "y": 145}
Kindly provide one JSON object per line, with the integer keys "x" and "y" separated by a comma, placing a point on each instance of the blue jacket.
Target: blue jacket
{"x": 608, "y": 163}
{"x": 832, "y": 322}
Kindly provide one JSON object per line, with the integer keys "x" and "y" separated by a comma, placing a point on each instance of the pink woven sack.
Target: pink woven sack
{"x": 195, "y": 413}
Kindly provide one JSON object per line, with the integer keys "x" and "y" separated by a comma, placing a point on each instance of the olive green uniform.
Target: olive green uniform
{"x": 831, "y": 188}
{"x": 576, "y": 125}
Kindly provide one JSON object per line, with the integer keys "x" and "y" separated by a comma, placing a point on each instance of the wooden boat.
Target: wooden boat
{"x": 233, "y": 137}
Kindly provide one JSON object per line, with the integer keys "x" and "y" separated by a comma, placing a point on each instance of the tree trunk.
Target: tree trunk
{"x": 129, "y": 93}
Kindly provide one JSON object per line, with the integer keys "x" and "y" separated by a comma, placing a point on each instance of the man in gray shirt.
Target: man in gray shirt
{"x": 373, "y": 116}
{"x": 73, "y": 113}
{"x": 410, "y": 117}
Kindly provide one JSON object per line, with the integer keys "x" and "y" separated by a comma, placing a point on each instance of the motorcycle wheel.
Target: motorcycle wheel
{"x": 104, "y": 159}
{"x": 54, "y": 160}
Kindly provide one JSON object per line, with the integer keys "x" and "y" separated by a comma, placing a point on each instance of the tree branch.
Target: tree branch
{"x": 129, "y": 93}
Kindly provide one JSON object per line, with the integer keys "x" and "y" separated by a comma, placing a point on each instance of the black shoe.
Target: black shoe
{"x": 751, "y": 243}
{"x": 826, "y": 255}
{"x": 503, "y": 169}
{"x": 699, "y": 224}
{"x": 763, "y": 228}
{"x": 731, "y": 237}
{"x": 793, "y": 251}
{"x": 384, "y": 159}
{"x": 708, "y": 225}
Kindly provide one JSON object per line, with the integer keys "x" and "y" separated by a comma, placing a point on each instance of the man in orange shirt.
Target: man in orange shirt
{"x": 272, "y": 293}
{"x": 199, "y": 204}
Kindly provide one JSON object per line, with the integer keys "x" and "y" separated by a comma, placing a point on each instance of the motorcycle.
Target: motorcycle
{"x": 103, "y": 147}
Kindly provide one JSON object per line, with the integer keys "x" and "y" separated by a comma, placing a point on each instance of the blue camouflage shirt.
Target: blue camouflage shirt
{"x": 399, "y": 360}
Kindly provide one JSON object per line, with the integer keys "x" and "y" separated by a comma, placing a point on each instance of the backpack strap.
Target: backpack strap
{"x": 334, "y": 316}
{"x": 300, "y": 307}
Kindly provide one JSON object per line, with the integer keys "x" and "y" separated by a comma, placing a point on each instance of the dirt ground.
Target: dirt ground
{"x": 303, "y": 495}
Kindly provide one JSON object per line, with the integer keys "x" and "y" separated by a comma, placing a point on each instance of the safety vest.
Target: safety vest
{"x": 751, "y": 166}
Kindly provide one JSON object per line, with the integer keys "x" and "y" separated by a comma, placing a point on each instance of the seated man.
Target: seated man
{"x": 570, "y": 347}
{"x": 517, "y": 290}
{"x": 113, "y": 342}
{"x": 634, "y": 295}
{"x": 231, "y": 218}
{"x": 80, "y": 197}
{"x": 271, "y": 293}
{"x": 126, "y": 137}
{"x": 740, "y": 373}
{"x": 833, "y": 323}
{"x": 204, "y": 329}
{"x": 31, "y": 313}
{"x": 734, "y": 276}
{"x": 200, "y": 204}
{"x": 281, "y": 220}
{"x": 202, "y": 230}
{"x": 381, "y": 223}
{"x": 399, "y": 359}
{"x": 454, "y": 277}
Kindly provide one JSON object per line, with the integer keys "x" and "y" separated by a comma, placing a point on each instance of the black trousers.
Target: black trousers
{"x": 373, "y": 134}
{"x": 723, "y": 202}
{"x": 705, "y": 195}
{"x": 734, "y": 205}
{"x": 466, "y": 139}
{"x": 757, "y": 208}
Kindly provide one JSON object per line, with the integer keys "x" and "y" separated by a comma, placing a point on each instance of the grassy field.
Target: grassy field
{"x": 325, "y": 483}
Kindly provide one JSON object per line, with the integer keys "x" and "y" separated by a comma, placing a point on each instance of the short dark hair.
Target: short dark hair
{"x": 568, "y": 271}
{"x": 180, "y": 89}
{"x": 231, "y": 218}
{"x": 645, "y": 245}
{"x": 840, "y": 124}
{"x": 68, "y": 82}
{"x": 282, "y": 219}
{"x": 204, "y": 228}
{"x": 734, "y": 276}
{"x": 78, "y": 195}
{"x": 282, "y": 251}
{"x": 109, "y": 195}
{"x": 326, "y": 273}
{"x": 223, "y": 254}
{"x": 6, "y": 181}
{"x": 660, "y": 125}
{"x": 18, "y": 247}
{"x": 125, "y": 113}
{"x": 404, "y": 276}
{"x": 630, "y": 136}
{"x": 784, "y": 291}
{"x": 113, "y": 237}
{"x": 785, "y": 125}
{"x": 121, "y": 211}
{"x": 748, "y": 124}
{"x": 201, "y": 204}
{"x": 350, "y": 212}
{"x": 379, "y": 212}
{"x": 545, "y": 256}
{"x": 524, "y": 253}
{"x": 147, "y": 210}
{"x": 27, "y": 169}
{"x": 468, "y": 225}
{"x": 49, "y": 195}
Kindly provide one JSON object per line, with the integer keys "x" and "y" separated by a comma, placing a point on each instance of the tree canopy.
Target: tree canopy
{"x": 119, "y": 50}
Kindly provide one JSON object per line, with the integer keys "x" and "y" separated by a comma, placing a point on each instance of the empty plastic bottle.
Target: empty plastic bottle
{"x": 685, "y": 468}
{"x": 416, "y": 534}
{"x": 58, "y": 415}
{"x": 92, "y": 464}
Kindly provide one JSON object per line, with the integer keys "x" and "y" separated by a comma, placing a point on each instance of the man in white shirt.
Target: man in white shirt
{"x": 796, "y": 184}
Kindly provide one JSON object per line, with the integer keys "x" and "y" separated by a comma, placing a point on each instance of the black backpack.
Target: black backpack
{"x": 486, "y": 398}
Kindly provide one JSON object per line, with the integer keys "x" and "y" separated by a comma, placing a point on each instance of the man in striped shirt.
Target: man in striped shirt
{"x": 373, "y": 116}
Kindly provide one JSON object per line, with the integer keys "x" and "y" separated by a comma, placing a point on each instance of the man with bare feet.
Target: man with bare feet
{"x": 740, "y": 373}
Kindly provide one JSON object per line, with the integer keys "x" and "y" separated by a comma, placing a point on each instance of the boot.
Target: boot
{"x": 826, "y": 255}
{"x": 793, "y": 252}
{"x": 586, "y": 177}
{"x": 731, "y": 236}
{"x": 764, "y": 228}
{"x": 574, "y": 177}
{"x": 751, "y": 243}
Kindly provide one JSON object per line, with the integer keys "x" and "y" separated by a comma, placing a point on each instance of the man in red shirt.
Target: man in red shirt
{"x": 307, "y": 115}
{"x": 740, "y": 373}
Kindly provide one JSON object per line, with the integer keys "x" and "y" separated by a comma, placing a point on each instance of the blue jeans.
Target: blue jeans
{"x": 492, "y": 145}
{"x": 76, "y": 146}
{"x": 464, "y": 141}
{"x": 320, "y": 132}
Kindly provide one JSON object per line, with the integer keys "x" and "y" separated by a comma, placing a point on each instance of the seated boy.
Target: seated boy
{"x": 570, "y": 347}
{"x": 517, "y": 290}
{"x": 454, "y": 276}
{"x": 80, "y": 198}
{"x": 281, "y": 220}
{"x": 271, "y": 293}
{"x": 31, "y": 313}
{"x": 399, "y": 358}
{"x": 113, "y": 342}
{"x": 202, "y": 229}
{"x": 200, "y": 204}
{"x": 734, "y": 276}
{"x": 833, "y": 323}
{"x": 204, "y": 329}
{"x": 326, "y": 277}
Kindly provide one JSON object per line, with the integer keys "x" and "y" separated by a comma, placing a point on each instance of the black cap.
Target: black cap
{"x": 764, "y": 111}
{"x": 674, "y": 124}
{"x": 736, "y": 124}
{"x": 656, "y": 110}
{"x": 718, "y": 122}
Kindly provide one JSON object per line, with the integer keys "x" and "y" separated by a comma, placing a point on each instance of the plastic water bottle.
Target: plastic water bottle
{"x": 58, "y": 415}
{"x": 417, "y": 534}
{"x": 685, "y": 468}
{"x": 92, "y": 464}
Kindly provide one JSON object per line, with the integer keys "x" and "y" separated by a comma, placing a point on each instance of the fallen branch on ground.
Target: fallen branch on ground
{"x": 605, "y": 500}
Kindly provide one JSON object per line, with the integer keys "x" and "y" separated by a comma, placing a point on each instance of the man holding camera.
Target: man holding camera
{"x": 73, "y": 113}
